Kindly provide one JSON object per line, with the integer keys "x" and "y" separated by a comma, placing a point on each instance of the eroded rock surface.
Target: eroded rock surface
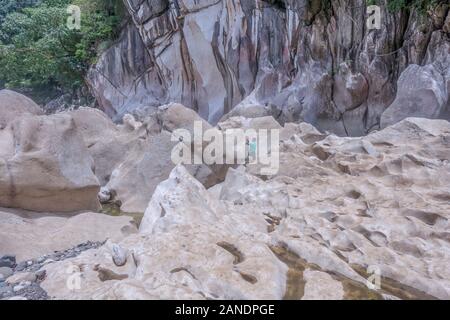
{"x": 338, "y": 209}
{"x": 45, "y": 166}
{"x": 190, "y": 247}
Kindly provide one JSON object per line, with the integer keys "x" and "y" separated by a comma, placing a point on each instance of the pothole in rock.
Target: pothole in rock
{"x": 295, "y": 285}
{"x": 395, "y": 288}
{"x": 353, "y": 290}
{"x": 108, "y": 275}
{"x": 113, "y": 209}
{"x": 238, "y": 255}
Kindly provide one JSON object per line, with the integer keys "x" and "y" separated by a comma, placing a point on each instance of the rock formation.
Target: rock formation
{"x": 13, "y": 105}
{"x": 298, "y": 60}
{"x": 45, "y": 166}
{"x": 31, "y": 235}
{"x": 338, "y": 209}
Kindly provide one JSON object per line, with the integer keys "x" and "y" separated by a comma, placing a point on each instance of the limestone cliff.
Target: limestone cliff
{"x": 298, "y": 60}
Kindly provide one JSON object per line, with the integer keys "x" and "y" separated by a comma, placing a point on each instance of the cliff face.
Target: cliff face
{"x": 299, "y": 60}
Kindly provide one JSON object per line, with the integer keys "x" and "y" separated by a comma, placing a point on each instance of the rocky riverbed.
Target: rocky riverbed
{"x": 90, "y": 209}
{"x": 21, "y": 281}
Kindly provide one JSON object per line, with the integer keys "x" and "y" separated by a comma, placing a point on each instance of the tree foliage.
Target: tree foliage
{"x": 398, "y": 5}
{"x": 38, "y": 50}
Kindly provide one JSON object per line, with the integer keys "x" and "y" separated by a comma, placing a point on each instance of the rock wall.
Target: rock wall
{"x": 308, "y": 60}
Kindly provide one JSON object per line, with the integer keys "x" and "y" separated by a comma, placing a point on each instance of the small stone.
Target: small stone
{"x": 48, "y": 261}
{"x": 21, "y": 266}
{"x": 29, "y": 263}
{"x": 8, "y": 261}
{"x": 18, "y": 288}
{"x": 5, "y": 272}
{"x": 40, "y": 275}
{"x": 104, "y": 196}
{"x": 21, "y": 277}
{"x": 119, "y": 255}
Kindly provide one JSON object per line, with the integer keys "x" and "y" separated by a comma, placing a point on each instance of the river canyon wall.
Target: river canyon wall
{"x": 297, "y": 60}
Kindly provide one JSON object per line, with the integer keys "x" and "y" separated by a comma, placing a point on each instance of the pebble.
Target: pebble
{"x": 48, "y": 261}
{"x": 5, "y": 291}
{"x": 41, "y": 275}
{"x": 119, "y": 255}
{"x": 8, "y": 261}
{"x": 18, "y": 288}
{"x": 21, "y": 266}
{"x": 5, "y": 272}
{"x": 22, "y": 277}
{"x": 104, "y": 195}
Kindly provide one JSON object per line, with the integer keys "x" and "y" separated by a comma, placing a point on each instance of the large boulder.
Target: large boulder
{"x": 45, "y": 166}
{"x": 176, "y": 116}
{"x": 13, "y": 105}
{"x": 422, "y": 92}
{"x": 148, "y": 161}
{"x": 145, "y": 166}
{"x": 189, "y": 247}
{"x": 133, "y": 181}
{"x": 107, "y": 143}
{"x": 30, "y": 235}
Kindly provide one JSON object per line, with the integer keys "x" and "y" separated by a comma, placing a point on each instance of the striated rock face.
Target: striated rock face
{"x": 45, "y": 166}
{"x": 300, "y": 60}
{"x": 338, "y": 210}
{"x": 422, "y": 92}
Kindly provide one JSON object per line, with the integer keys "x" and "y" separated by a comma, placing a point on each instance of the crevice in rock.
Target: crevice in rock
{"x": 182, "y": 269}
{"x": 108, "y": 275}
{"x": 238, "y": 255}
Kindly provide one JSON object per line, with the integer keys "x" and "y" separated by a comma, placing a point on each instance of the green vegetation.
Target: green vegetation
{"x": 39, "y": 52}
{"x": 397, "y": 5}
